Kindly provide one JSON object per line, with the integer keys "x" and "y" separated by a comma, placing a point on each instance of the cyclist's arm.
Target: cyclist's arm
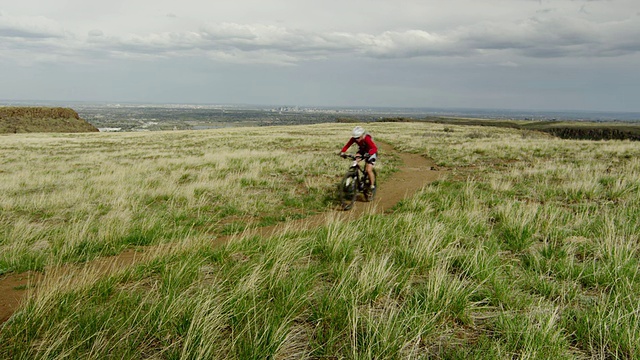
{"x": 346, "y": 147}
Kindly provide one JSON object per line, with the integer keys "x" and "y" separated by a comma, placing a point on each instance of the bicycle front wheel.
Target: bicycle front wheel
{"x": 348, "y": 191}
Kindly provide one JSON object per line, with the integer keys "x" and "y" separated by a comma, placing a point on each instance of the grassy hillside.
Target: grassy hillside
{"x": 43, "y": 120}
{"x": 581, "y": 130}
{"x": 527, "y": 249}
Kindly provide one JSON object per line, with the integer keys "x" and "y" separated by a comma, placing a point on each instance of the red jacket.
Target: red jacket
{"x": 365, "y": 146}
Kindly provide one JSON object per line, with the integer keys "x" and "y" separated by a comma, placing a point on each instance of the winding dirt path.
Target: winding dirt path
{"x": 414, "y": 173}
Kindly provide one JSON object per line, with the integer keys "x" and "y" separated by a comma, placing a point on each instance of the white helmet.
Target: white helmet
{"x": 357, "y": 132}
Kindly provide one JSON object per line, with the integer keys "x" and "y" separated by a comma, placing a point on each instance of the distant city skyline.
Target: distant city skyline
{"x": 546, "y": 55}
{"x": 145, "y": 110}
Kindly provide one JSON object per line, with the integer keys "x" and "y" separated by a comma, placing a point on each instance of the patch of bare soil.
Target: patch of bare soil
{"x": 414, "y": 173}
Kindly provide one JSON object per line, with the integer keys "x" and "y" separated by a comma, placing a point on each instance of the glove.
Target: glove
{"x": 343, "y": 155}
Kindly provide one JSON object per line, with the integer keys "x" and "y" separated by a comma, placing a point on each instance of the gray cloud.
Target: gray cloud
{"x": 426, "y": 52}
{"x": 95, "y": 33}
{"x": 543, "y": 36}
{"x": 29, "y": 28}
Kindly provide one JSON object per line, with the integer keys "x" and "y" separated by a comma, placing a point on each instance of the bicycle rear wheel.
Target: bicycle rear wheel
{"x": 348, "y": 191}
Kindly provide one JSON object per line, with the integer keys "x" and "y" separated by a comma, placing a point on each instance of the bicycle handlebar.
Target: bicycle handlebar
{"x": 354, "y": 157}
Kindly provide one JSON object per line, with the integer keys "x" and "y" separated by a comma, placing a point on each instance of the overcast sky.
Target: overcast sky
{"x": 513, "y": 54}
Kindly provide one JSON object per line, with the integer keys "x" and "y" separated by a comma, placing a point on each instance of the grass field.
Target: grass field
{"x": 69, "y": 198}
{"x": 527, "y": 249}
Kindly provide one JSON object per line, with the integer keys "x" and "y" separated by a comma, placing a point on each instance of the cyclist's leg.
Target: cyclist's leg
{"x": 371, "y": 161}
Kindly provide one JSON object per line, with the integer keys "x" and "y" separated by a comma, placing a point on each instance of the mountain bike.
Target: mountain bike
{"x": 355, "y": 181}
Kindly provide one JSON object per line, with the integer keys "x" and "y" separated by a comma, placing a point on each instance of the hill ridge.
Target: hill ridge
{"x": 42, "y": 119}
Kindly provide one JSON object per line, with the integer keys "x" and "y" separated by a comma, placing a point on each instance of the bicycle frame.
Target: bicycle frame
{"x": 359, "y": 176}
{"x": 359, "y": 170}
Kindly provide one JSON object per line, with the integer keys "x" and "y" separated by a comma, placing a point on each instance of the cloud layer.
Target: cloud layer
{"x": 460, "y": 42}
{"x": 545, "y": 34}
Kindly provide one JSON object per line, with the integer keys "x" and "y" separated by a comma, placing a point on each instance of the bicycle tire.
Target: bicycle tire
{"x": 348, "y": 190}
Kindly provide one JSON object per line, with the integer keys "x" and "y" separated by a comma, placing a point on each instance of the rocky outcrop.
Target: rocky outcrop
{"x": 42, "y": 119}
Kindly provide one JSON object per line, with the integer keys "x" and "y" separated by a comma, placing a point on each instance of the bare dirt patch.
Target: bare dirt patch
{"x": 414, "y": 173}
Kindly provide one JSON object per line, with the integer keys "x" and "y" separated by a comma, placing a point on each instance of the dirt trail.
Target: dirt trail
{"x": 414, "y": 172}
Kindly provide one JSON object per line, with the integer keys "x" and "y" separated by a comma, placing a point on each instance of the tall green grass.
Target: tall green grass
{"x": 72, "y": 197}
{"x": 528, "y": 248}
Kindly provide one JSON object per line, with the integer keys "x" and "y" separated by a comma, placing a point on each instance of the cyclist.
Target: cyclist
{"x": 367, "y": 149}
